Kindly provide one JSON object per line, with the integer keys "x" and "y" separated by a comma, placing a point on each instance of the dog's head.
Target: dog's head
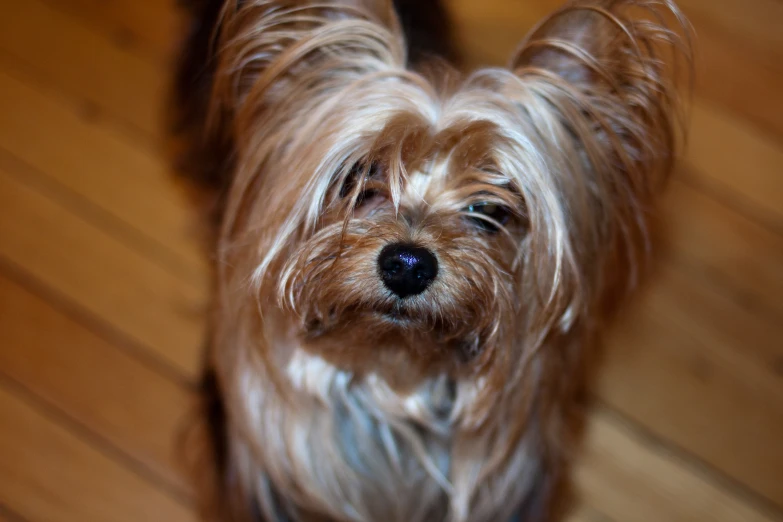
{"x": 408, "y": 222}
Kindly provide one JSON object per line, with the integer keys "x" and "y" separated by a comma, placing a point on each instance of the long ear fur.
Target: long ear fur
{"x": 280, "y": 59}
{"x": 230, "y": 45}
{"x": 609, "y": 71}
{"x": 266, "y": 47}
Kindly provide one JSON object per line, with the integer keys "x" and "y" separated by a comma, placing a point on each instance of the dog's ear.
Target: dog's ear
{"x": 618, "y": 62}
{"x": 600, "y": 82}
{"x": 290, "y": 51}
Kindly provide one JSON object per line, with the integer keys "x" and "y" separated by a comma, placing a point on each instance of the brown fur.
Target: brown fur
{"x": 344, "y": 402}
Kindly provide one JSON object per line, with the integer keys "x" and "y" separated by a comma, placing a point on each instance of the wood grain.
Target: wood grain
{"x": 50, "y": 474}
{"x": 98, "y": 164}
{"x": 741, "y": 78}
{"x": 101, "y": 274}
{"x": 700, "y": 371}
{"x": 758, "y": 25}
{"x": 68, "y": 56}
{"x": 723, "y": 250}
{"x": 154, "y": 27}
{"x": 633, "y": 482}
{"x": 93, "y": 382}
{"x": 738, "y": 163}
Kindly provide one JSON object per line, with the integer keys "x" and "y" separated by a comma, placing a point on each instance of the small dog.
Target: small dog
{"x": 413, "y": 266}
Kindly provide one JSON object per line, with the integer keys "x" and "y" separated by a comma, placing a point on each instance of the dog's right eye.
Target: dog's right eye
{"x": 360, "y": 173}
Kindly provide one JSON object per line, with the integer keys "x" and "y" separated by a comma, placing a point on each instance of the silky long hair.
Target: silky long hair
{"x": 461, "y": 403}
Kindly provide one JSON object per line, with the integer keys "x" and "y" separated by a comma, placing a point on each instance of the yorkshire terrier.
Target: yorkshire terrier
{"x": 412, "y": 266}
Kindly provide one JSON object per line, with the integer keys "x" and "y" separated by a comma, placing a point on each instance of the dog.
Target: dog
{"x": 413, "y": 265}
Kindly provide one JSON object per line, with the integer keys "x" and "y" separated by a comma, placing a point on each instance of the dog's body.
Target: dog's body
{"x": 412, "y": 267}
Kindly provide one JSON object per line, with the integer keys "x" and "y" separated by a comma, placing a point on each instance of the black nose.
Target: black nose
{"x": 407, "y": 269}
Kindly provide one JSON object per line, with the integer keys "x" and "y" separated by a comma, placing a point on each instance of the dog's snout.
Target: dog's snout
{"x": 407, "y": 269}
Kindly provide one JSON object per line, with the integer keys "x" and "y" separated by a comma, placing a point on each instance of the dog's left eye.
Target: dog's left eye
{"x": 488, "y": 216}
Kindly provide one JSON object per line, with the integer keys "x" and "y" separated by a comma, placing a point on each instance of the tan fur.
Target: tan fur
{"x": 462, "y": 403}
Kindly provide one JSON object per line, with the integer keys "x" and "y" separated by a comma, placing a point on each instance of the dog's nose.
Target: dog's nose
{"x": 407, "y": 269}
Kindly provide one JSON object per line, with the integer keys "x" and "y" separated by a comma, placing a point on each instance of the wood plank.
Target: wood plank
{"x": 99, "y": 164}
{"x": 740, "y": 59}
{"x": 758, "y": 21}
{"x": 49, "y": 474}
{"x": 633, "y": 481}
{"x": 739, "y": 77}
{"x": 704, "y": 372}
{"x": 151, "y": 26}
{"x": 722, "y": 250}
{"x": 102, "y": 275}
{"x": 98, "y": 385}
{"x": 737, "y": 162}
{"x": 83, "y": 64}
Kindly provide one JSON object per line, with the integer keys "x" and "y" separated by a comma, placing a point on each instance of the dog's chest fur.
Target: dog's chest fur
{"x": 357, "y": 450}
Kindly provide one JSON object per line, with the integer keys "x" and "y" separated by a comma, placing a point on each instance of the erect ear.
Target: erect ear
{"x": 599, "y": 81}
{"x": 275, "y": 51}
{"x": 620, "y": 61}
{"x": 587, "y": 38}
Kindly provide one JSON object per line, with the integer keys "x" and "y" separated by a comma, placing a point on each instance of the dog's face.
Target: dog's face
{"x": 417, "y": 216}
{"x": 412, "y": 227}
{"x": 419, "y": 238}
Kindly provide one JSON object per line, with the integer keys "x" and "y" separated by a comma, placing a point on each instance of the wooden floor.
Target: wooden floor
{"x": 102, "y": 288}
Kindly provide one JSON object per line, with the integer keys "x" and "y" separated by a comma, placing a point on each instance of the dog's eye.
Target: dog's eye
{"x": 488, "y": 216}
{"x": 358, "y": 171}
{"x": 365, "y": 174}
